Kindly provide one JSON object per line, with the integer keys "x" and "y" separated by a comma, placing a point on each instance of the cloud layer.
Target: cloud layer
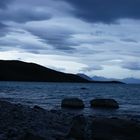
{"x": 106, "y": 11}
{"x": 4, "y": 3}
{"x": 95, "y": 37}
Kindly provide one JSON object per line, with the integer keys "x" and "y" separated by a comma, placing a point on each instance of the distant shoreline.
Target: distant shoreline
{"x": 94, "y": 82}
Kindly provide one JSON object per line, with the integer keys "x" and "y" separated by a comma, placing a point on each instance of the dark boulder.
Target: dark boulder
{"x": 104, "y": 103}
{"x": 72, "y": 103}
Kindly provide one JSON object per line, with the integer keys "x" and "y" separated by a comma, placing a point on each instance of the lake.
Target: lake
{"x": 49, "y": 95}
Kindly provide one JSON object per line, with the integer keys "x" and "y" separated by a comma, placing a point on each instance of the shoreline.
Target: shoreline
{"x": 21, "y": 122}
{"x": 121, "y": 112}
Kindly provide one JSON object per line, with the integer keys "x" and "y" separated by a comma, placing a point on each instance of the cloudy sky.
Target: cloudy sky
{"x": 95, "y": 37}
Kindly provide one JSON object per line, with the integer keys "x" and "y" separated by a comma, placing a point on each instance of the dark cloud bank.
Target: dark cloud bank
{"x": 106, "y": 11}
{"x": 4, "y": 3}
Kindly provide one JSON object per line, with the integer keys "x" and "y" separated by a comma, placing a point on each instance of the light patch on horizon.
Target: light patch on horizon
{"x": 115, "y": 72}
{"x": 56, "y": 62}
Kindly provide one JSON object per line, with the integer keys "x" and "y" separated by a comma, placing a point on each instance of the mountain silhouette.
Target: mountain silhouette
{"x": 14, "y": 70}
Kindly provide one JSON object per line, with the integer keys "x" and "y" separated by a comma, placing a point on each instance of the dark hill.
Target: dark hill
{"x": 14, "y": 70}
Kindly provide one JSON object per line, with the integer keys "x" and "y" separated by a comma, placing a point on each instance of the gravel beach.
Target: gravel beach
{"x": 20, "y": 122}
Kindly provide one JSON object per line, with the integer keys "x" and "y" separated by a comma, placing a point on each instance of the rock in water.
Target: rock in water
{"x": 104, "y": 103}
{"x": 72, "y": 103}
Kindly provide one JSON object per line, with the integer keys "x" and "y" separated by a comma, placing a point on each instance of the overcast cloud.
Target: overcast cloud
{"x": 95, "y": 37}
{"x": 106, "y": 11}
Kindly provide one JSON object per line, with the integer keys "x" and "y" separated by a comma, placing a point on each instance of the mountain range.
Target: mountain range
{"x": 97, "y": 79}
{"x": 129, "y": 80}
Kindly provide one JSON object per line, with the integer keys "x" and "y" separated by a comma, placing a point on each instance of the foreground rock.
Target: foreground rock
{"x": 77, "y": 129}
{"x": 74, "y": 103}
{"x": 104, "y": 129}
{"x": 104, "y": 103}
{"x": 92, "y": 128}
{"x": 114, "y": 129}
{"x": 18, "y": 122}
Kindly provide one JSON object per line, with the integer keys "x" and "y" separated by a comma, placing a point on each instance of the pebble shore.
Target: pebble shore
{"x": 20, "y": 122}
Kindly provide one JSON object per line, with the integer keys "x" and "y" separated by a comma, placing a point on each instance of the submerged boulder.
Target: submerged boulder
{"x": 72, "y": 103}
{"x": 104, "y": 103}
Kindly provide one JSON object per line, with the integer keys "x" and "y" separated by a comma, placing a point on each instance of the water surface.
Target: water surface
{"x": 49, "y": 95}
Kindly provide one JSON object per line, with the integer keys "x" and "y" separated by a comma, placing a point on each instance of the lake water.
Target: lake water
{"x": 49, "y": 95}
